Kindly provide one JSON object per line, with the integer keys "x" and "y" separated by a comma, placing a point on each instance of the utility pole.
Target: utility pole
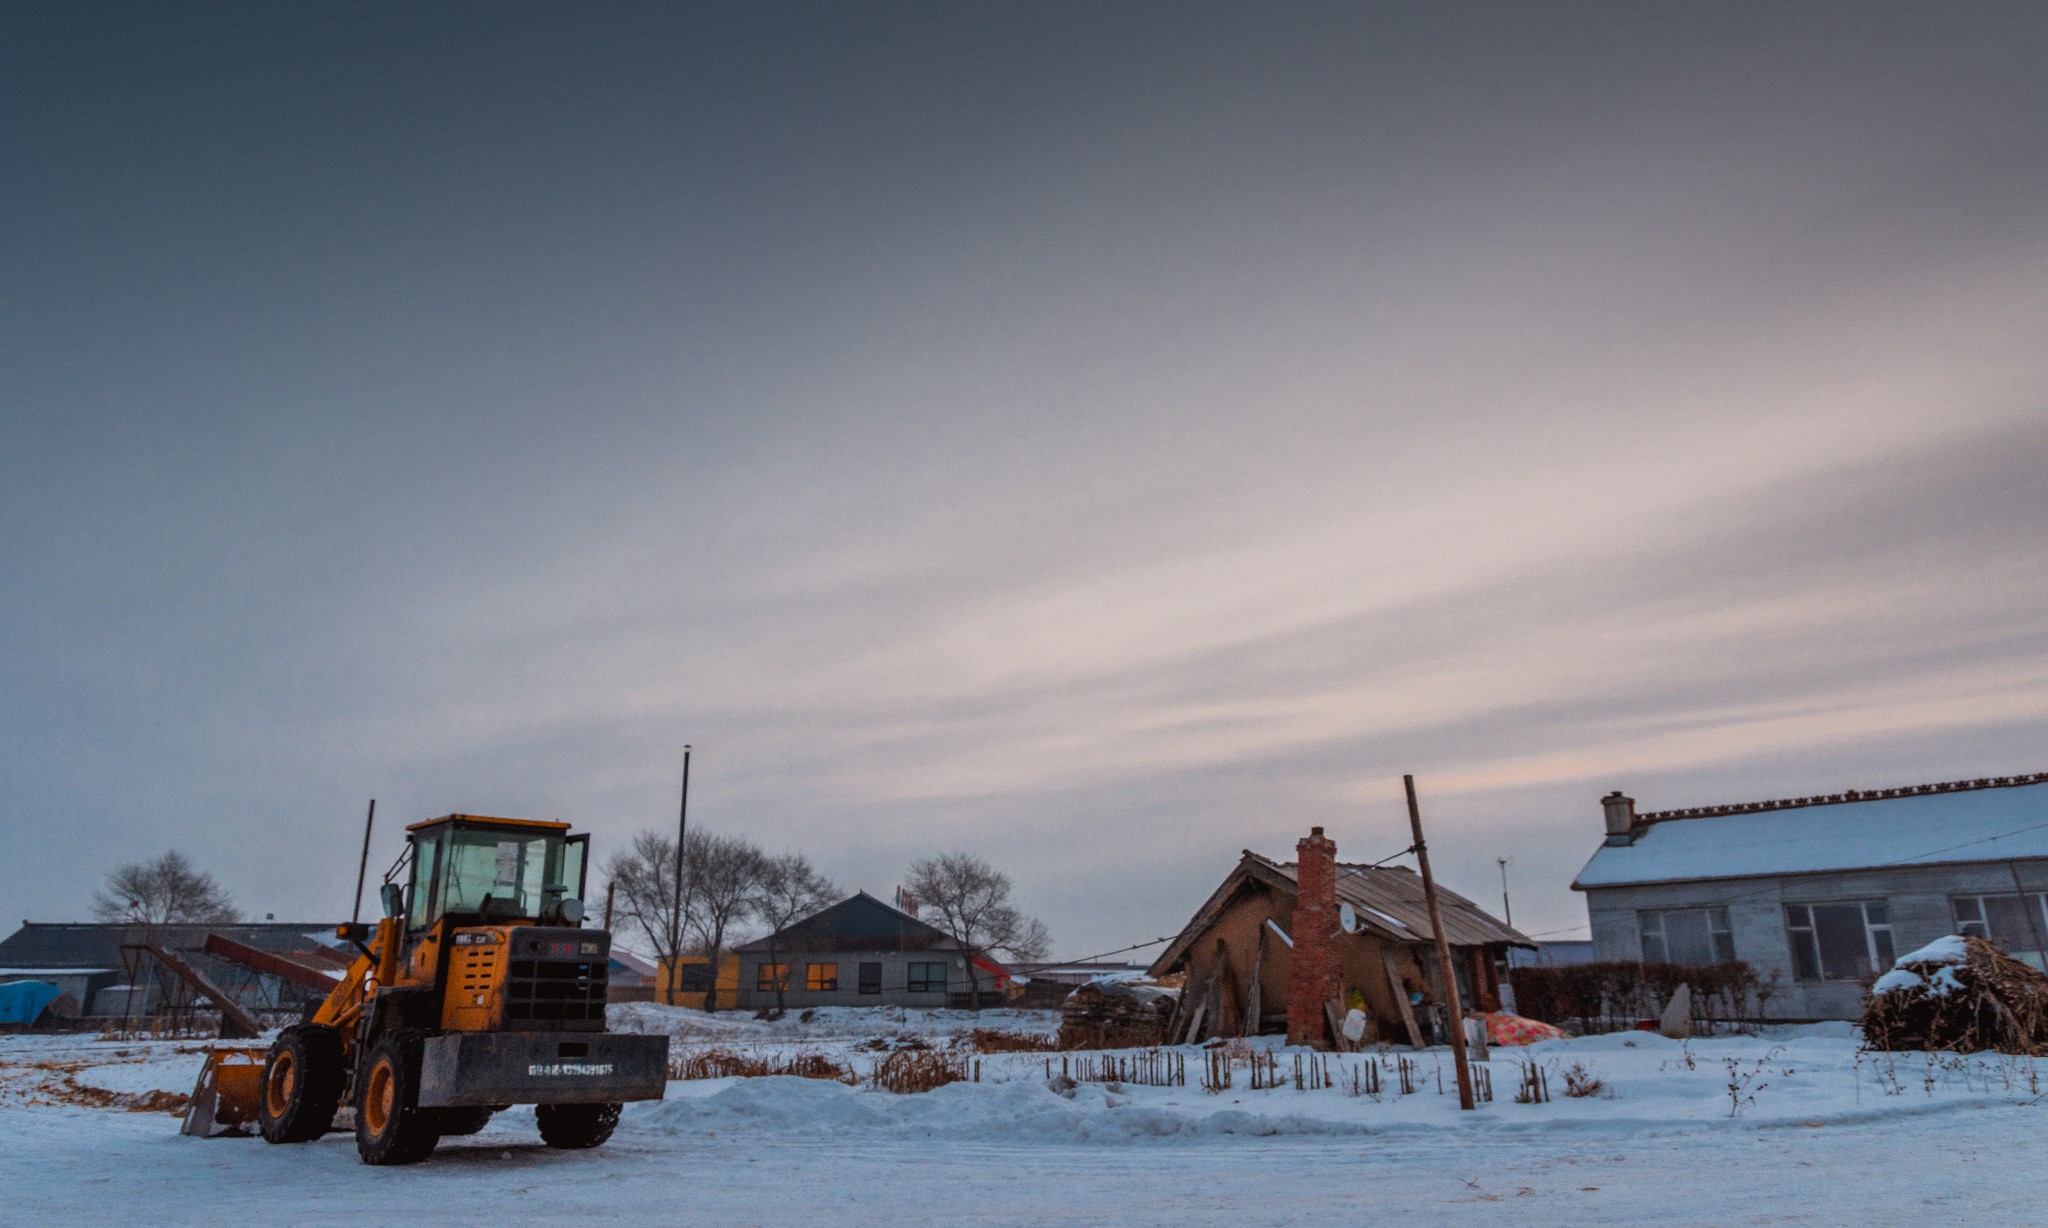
{"x": 1443, "y": 954}
{"x": 1507, "y": 910}
{"x": 675, "y": 916}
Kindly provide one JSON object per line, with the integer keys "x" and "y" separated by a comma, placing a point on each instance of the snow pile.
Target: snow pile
{"x": 1959, "y": 993}
{"x": 1947, "y": 949}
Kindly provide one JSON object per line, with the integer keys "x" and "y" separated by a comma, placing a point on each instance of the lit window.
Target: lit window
{"x": 927, "y": 978}
{"x": 822, "y": 978}
{"x": 771, "y": 978}
{"x": 1839, "y": 942}
{"x": 1692, "y": 936}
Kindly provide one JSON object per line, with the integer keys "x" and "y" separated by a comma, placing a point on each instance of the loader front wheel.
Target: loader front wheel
{"x": 301, "y": 1085}
{"x": 576, "y": 1126}
{"x": 391, "y": 1127}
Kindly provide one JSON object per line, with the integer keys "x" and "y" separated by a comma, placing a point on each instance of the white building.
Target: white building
{"x": 1824, "y": 891}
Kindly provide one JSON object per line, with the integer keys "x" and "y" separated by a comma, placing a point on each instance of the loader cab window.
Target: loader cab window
{"x": 513, "y": 870}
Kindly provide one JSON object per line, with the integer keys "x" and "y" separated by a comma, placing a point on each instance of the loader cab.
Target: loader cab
{"x": 477, "y": 870}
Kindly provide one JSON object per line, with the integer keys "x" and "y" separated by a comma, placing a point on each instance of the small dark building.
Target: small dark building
{"x": 107, "y": 969}
{"x": 862, "y": 952}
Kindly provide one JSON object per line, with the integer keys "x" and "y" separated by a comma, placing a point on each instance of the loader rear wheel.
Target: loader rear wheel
{"x": 301, "y": 1085}
{"x": 576, "y": 1125}
{"x": 391, "y": 1127}
{"x": 451, "y": 1122}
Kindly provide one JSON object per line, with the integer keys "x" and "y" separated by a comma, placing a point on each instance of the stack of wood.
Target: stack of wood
{"x": 1116, "y": 1015}
{"x": 1960, "y": 994}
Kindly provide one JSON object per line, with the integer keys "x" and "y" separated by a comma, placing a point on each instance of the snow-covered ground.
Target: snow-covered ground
{"x": 1814, "y": 1132}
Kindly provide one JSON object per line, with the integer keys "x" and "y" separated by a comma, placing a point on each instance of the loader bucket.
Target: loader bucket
{"x": 224, "y": 1100}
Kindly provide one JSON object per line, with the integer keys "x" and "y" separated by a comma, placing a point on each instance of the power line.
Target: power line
{"x": 1137, "y": 946}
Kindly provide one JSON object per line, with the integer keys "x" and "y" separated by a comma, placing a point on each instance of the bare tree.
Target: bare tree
{"x": 644, "y": 878}
{"x": 166, "y": 891}
{"x": 725, "y": 875}
{"x": 970, "y": 900}
{"x": 791, "y": 890}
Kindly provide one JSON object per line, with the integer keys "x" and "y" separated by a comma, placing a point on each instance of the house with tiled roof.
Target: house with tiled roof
{"x": 1823, "y": 892}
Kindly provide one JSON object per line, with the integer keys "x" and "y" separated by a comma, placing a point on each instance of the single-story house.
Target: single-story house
{"x": 862, "y": 952}
{"x": 1246, "y": 951}
{"x": 693, "y": 981}
{"x": 1824, "y": 892}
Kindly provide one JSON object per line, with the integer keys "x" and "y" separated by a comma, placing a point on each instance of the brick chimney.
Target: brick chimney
{"x": 1621, "y": 818}
{"x": 1312, "y": 981}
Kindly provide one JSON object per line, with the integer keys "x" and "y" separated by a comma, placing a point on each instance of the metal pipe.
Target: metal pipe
{"x": 355, "y": 915}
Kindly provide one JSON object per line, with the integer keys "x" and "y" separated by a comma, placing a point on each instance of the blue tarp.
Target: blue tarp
{"x": 23, "y": 1001}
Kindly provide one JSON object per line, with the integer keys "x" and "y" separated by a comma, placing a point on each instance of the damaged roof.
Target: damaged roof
{"x": 1387, "y": 900}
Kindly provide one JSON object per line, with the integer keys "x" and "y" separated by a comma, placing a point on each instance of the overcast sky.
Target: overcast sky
{"x": 1102, "y": 438}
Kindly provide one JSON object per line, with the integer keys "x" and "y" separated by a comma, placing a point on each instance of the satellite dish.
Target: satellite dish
{"x": 1347, "y": 917}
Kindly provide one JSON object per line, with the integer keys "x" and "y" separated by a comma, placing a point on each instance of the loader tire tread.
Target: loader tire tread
{"x": 576, "y": 1126}
{"x": 391, "y": 1127}
{"x": 302, "y": 1081}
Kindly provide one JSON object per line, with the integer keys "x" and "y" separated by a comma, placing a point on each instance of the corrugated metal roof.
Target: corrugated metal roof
{"x": 1390, "y": 900}
{"x": 1988, "y": 824}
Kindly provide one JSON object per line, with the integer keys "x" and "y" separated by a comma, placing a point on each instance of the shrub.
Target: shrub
{"x": 1612, "y": 996}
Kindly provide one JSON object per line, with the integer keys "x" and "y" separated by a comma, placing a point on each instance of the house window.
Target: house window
{"x": 1687, "y": 936}
{"x": 772, "y": 978}
{"x": 871, "y": 978}
{"x": 927, "y": 978}
{"x": 1839, "y": 942}
{"x": 822, "y": 978}
{"x": 693, "y": 978}
{"x": 2018, "y": 924}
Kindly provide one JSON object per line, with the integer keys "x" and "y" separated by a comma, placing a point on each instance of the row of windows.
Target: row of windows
{"x": 824, "y": 978}
{"x": 1842, "y": 941}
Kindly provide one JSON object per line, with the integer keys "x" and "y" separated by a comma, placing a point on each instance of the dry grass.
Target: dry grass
{"x": 911, "y": 1071}
{"x": 991, "y": 1040}
{"x": 1580, "y": 1082}
{"x": 723, "y": 1063}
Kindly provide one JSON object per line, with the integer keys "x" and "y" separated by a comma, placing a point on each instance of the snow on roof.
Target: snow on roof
{"x": 1988, "y": 822}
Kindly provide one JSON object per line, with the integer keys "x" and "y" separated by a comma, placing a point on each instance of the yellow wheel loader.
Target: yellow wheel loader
{"x": 479, "y": 989}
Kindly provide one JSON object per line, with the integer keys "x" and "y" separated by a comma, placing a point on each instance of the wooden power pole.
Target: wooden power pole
{"x": 1455, "y": 1007}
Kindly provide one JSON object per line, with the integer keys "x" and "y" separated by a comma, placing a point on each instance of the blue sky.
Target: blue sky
{"x": 1100, "y": 440}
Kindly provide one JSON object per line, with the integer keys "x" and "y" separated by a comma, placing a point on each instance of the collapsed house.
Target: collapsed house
{"x": 1294, "y": 946}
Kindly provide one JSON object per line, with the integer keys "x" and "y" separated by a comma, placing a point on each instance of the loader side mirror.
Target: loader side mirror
{"x": 394, "y": 899}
